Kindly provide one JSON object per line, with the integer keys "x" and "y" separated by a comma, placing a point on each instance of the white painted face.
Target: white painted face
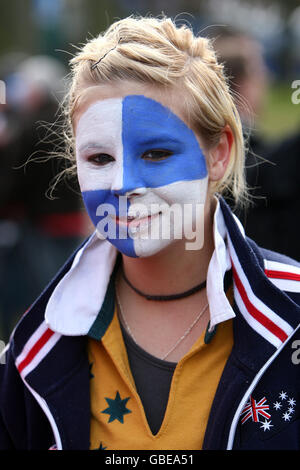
{"x": 138, "y": 163}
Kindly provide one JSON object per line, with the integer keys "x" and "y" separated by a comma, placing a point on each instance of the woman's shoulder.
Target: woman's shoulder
{"x": 273, "y": 256}
{"x": 282, "y": 270}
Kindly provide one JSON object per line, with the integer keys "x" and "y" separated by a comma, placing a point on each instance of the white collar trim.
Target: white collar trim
{"x": 77, "y": 299}
{"x": 219, "y": 306}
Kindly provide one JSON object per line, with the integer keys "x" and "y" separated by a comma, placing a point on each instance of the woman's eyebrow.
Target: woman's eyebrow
{"x": 90, "y": 145}
{"x": 163, "y": 138}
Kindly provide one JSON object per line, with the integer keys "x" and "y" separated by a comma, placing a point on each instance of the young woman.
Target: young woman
{"x": 168, "y": 328}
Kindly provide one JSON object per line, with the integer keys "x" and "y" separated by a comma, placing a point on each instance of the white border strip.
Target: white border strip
{"x": 286, "y": 285}
{"x": 277, "y": 266}
{"x": 42, "y": 402}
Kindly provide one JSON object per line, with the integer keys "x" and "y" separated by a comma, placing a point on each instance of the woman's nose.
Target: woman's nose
{"x": 129, "y": 193}
{"x": 127, "y": 183}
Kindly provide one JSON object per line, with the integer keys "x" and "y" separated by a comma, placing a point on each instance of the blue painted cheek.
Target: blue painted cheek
{"x": 106, "y": 204}
{"x": 149, "y": 125}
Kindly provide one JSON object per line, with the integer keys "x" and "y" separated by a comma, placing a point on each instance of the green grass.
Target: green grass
{"x": 280, "y": 116}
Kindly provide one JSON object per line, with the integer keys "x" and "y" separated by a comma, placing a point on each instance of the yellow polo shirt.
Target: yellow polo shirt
{"x": 118, "y": 420}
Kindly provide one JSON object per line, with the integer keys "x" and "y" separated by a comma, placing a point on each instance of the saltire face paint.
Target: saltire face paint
{"x": 137, "y": 164}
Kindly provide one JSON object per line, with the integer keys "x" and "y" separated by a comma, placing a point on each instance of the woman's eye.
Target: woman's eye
{"x": 101, "y": 159}
{"x": 157, "y": 154}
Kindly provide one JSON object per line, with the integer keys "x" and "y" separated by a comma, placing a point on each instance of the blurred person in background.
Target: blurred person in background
{"x": 272, "y": 168}
{"x": 37, "y": 233}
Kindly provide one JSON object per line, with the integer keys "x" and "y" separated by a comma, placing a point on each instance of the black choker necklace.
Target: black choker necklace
{"x": 166, "y": 297}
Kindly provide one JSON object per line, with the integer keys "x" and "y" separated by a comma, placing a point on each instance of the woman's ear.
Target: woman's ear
{"x": 219, "y": 155}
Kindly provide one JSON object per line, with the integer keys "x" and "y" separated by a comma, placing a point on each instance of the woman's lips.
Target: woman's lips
{"x": 135, "y": 221}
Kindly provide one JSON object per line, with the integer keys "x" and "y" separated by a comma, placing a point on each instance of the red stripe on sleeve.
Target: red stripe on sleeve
{"x": 259, "y": 316}
{"x": 35, "y": 349}
{"x": 282, "y": 275}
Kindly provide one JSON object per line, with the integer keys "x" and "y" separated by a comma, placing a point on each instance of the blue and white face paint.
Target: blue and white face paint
{"x": 136, "y": 162}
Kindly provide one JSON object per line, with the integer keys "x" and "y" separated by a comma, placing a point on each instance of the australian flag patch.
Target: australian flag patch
{"x": 267, "y": 413}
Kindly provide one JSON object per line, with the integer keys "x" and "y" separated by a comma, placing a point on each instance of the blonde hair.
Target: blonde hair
{"x": 156, "y": 51}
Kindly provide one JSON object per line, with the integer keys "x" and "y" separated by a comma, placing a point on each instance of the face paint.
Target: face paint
{"x": 137, "y": 151}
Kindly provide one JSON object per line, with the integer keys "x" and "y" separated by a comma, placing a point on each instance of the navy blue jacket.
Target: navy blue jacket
{"x": 44, "y": 383}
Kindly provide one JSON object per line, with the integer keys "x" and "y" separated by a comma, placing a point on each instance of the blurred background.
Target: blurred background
{"x": 259, "y": 43}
